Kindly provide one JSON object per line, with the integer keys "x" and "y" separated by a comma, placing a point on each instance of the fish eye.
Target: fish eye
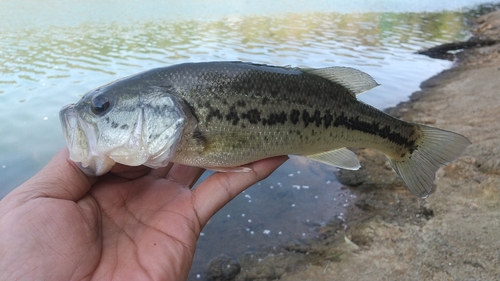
{"x": 99, "y": 104}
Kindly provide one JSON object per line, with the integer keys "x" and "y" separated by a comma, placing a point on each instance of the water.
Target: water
{"x": 52, "y": 52}
{"x": 300, "y": 205}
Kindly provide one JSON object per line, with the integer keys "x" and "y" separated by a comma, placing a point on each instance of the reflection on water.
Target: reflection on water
{"x": 47, "y": 62}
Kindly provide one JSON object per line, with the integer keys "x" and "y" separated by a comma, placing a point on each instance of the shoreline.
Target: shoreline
{"x": 389, "y": 234}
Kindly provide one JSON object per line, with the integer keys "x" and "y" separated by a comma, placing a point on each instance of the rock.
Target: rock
{"x": 222, "y": 268}
{"x": 270, "y": 263}
{"x": 486, "y": 155}
{"x": 488, "y": 26}
{"x": 375, "y": 172}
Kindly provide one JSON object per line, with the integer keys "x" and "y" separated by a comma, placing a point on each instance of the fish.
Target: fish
{"x": 223, "y": 115}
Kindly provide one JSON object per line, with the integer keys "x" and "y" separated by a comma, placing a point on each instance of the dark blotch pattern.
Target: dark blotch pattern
{"x": 374, "y": 128}
{"x": 328, "y": 119}
{"x": 253, "y": 116}
{"x": 114, "y": 125}
{"x": 275, "y": 118}
{"x": 294, "y": 116}
{"x": 316, "y": 118}
{"x": 214, "y": 113}
{"x": 232, "y": 116}
{"x": 124, "y": 127}
{"x": 311, "y": 119}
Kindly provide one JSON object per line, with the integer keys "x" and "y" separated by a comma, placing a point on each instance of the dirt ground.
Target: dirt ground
{"x": 390, "y": 234}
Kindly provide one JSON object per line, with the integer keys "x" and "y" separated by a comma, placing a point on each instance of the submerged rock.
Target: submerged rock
{"x": 222, "y": 268}
{"x": 375, "y": 172}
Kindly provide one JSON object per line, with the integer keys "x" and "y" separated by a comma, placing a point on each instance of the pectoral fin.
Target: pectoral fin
{"x": 341, "y": 158}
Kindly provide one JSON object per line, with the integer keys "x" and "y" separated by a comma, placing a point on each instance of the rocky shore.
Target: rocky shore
{"x": 389, "y": 234}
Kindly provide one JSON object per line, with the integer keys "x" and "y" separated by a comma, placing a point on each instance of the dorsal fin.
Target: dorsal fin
{"x": 356, "y": 81}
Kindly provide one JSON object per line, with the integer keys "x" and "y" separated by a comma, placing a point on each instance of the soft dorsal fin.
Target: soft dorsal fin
{"x": 342, "y": 158}
{"x": 356, "y": 81}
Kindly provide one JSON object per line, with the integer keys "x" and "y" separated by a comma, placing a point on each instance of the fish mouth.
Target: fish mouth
{"x": 81, "y": 140}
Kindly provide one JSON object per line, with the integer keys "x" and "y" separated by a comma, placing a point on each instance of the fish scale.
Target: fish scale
{"x": 222, "y": 115}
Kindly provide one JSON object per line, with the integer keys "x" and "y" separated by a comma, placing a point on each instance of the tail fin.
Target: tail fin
{"x": 437, "y": 148}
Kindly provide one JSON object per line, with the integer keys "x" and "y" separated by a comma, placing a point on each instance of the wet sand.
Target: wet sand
{"x": 389, "y": 234}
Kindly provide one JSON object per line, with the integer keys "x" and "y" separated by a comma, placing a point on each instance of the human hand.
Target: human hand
{"x": 134, "y": 223}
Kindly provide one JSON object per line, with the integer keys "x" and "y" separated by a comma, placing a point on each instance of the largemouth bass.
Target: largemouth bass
{"x": 222, "y": 115}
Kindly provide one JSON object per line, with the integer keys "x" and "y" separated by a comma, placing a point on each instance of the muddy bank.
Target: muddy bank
{"x": 390, "y": 234}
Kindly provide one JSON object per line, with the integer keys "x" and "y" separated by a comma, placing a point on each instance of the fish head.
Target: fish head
{"x": 128, "y": 125}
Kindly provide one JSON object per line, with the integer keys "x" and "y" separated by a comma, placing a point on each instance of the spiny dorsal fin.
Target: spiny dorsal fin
{"x": 356, "y": 81}
{"x": 342, "y": 158}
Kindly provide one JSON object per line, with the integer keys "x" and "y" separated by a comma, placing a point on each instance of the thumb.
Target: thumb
{"x": 60, "y": 179}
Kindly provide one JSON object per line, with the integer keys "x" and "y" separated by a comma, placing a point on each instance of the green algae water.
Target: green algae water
{"x": 52, "y": 52}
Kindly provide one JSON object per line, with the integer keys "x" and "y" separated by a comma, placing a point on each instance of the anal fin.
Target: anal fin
{"x": 341, "y": 158}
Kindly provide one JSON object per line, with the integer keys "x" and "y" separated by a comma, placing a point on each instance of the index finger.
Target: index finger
{"x": 60, "y": 178}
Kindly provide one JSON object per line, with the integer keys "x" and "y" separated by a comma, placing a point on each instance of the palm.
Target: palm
{"x": 149, "y": 220}
{"x": 135, "y": 224}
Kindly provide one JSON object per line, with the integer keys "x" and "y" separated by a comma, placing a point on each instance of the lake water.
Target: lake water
{"x": 52, "y": 52}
